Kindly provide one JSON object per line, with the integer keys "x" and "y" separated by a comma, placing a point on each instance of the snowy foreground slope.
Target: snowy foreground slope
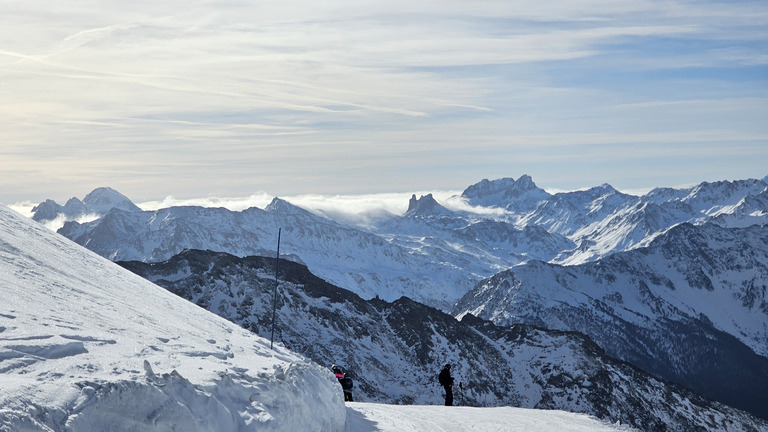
{"x": 88, "y": 346}
{"x": 363, "y": 417}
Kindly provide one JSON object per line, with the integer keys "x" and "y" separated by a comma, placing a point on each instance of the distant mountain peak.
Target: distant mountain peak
{"x": 281, "y": 206}
{"x": 276, "y": 204}
{"x": 426, "y": 205}
{"x": 606, "y": 187}
{"x": 504, "y": 192}
{"x": 103, "y": 199}
{"x": 525, "y": 182}
{"x": 100, "y": 201}
{"x": 46, "y": 210}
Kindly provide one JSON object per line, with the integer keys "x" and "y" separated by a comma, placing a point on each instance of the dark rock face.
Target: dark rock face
{"x": 395, "y": 350}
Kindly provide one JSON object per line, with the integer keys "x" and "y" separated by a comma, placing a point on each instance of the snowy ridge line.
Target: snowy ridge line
{"x": 433, "y": 253}
{"x": 81, "y": 339}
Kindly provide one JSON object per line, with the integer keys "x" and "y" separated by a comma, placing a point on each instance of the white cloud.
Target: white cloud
{"x": 260, "y": 200}
{"x": 358, "y": 210}
{"x": 346, "y": 97}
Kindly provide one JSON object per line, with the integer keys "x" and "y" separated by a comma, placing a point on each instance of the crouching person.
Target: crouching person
{"x": 345, "y": 381}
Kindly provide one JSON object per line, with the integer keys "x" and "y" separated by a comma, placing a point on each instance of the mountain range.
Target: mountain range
{"x": 691, "y": 307}
{"x": 671, "y": 281}
{"x": 395, "y": 350}
{"x": 430, "y": 253}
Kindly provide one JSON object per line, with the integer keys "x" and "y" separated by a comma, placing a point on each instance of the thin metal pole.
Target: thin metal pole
{"x": 274, "y": 302}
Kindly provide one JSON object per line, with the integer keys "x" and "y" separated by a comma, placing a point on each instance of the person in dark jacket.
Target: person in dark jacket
{"x": 446, "y": 380}
{"x": 345, "y": 381}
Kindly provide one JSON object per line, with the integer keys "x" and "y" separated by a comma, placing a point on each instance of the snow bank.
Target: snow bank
{"x": 88, "y": 346}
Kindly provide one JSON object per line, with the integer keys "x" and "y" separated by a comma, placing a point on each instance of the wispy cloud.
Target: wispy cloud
{"x": 229, "y": 97}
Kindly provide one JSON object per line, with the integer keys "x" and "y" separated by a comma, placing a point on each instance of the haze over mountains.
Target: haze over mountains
{"x": 673, "y": 281}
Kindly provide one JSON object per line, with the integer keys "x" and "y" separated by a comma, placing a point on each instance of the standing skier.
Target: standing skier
{"x": 446, "y": 380}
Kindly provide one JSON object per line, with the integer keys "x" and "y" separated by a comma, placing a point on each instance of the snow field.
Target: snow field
{"x": 365, "y": 417}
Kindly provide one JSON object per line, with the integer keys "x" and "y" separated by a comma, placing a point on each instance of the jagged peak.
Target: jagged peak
{"x": 46, "y": 210}
{"x": 606, "y": 187}
{"x": 737, "y": 188}
{"x": 278, "y": 204}
{"x": 44, "y": 204}
{"x": 504, "y": 191}
{"x": 426, "y": 205}
{"x": 283, "y": 207}
{"x": 487, "y": 187}
{"x": 525, "y": 182}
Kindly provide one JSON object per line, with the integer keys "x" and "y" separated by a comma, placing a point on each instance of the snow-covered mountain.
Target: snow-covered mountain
{"x": 99, "y": 202}
{"x": 691, "y": 307}
{"x": 395, "y": 350}
{"x": 347, "y": 256}
{"x": 519, "y": 196}
{"x": 88, "y": 346}
{"x": 431, "y": 253}
{"x": 436, "y": 253}
{"x": 603, "y": 221}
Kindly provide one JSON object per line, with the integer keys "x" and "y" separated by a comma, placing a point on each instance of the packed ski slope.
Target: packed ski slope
{"x": 86, "y": 346}
{"x": 363, "y": 417}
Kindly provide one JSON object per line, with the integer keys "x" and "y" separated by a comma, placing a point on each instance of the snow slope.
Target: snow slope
{"x": 364, "y": 417}
{"x": 88, "y": 346}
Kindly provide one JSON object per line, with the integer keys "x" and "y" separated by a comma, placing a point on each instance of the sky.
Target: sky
{"x": 234, "y": 98}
